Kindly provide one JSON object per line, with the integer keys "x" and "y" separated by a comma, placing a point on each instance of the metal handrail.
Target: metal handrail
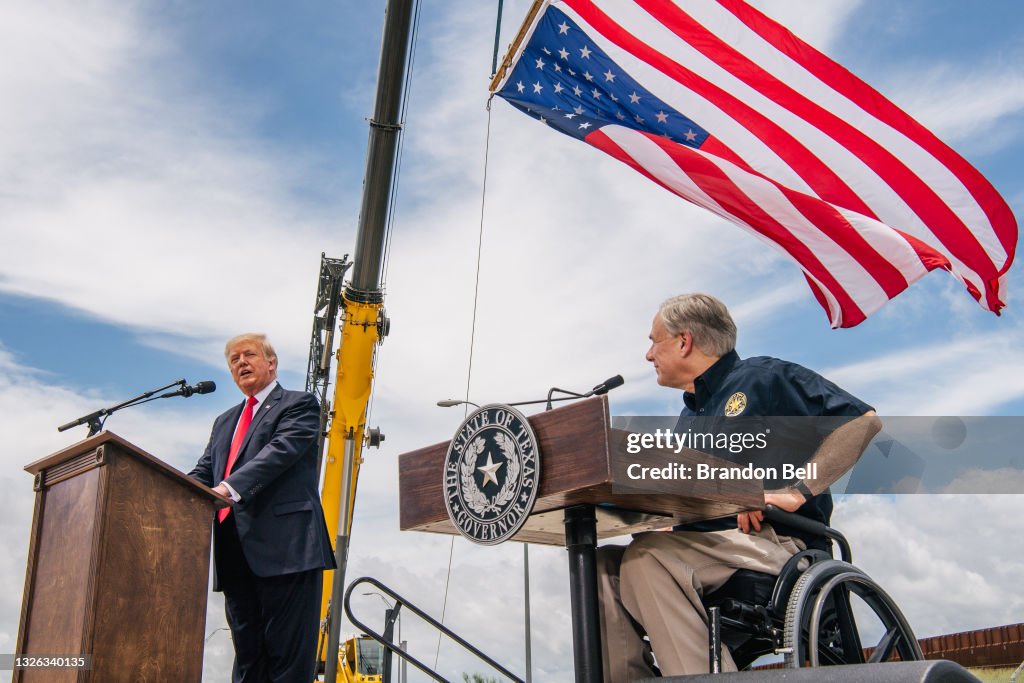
{"x": 394, "y": 647}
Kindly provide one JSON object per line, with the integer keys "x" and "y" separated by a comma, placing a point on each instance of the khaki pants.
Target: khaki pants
{"x": 655, "y": 584}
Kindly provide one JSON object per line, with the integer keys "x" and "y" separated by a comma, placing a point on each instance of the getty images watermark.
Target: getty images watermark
{"x": 909, "y": 455}
{"x": 732, "y": 442}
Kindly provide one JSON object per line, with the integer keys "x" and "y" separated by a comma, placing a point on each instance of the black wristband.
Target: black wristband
{"x": 803, "y": 489}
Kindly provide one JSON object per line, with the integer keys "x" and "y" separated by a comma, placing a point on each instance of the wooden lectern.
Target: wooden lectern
{"x": 118, "y": 566}
{"x": 577, "y": 502}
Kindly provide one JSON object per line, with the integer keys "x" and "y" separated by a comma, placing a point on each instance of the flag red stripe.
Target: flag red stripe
{"x": 841, "y": 80}
{"x": 795, "y": 148}
{"x": 951, "y": 232}
{"x": 818, "y": 176}
{"x": 835, "y": 226}
{"x": 944, "y": 223}
{"x": 716, "y": 184}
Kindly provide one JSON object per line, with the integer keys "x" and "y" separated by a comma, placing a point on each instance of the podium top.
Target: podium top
{"x": 89, "y": 453}
{"x": 577, "y": 446}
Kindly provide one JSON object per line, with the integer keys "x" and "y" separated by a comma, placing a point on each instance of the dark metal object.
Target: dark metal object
{"x": 774, "y": 514}
{"x": 385, "y": 129}
{"x": 385, "y": 640}
{"x": 374, "y": 438}
{"x": 390, "y": 616}
{"x": 893, "y": 672}
{"x": 581, "y": 542}
{"x": 497, "y": 38}
{"x": 321, "y": 343}
{"x": 715, "y": 640}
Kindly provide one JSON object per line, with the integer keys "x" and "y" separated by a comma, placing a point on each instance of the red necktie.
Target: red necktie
{"x": 236, "y": 445}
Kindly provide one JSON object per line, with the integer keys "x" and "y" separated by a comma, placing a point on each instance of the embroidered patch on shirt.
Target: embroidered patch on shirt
{"x": 736, "y": 404}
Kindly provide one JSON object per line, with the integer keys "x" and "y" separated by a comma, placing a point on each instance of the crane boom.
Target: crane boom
{"x": 363, "y": 323}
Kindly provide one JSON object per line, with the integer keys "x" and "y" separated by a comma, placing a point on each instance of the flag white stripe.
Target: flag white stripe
{"x": 933, "y": 208}
{"x": 753, "y": 150}
{"x": 857, "y": 282}
{"x": 722, "y": 23}
{"x": 861, "y": 178}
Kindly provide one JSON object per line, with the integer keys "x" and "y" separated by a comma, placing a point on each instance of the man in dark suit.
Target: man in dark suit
{"x": 271, "y": 547}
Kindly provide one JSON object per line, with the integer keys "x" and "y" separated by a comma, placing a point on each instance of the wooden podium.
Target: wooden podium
{"x": 118, "y": 566}
{"x": 580, "y": 453}
{"x": 583, "y": 496}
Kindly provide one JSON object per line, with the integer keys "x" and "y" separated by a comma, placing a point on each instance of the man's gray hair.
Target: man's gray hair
{"x": 268, "y": 349}
{"x": 705, "y": 318}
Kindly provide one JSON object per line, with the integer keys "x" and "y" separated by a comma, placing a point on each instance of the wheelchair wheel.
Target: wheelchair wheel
{"x": 820, "y": 627}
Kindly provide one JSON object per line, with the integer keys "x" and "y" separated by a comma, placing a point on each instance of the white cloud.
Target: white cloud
{"x": 136, "y": 204}
{"x": 947, "y": 379}
{"x": 956, "y": 100}
{"x": 944, "y": 580}
{"x": 819, "y": 23}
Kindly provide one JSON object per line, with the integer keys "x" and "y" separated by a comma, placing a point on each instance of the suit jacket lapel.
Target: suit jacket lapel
{"x": 220, "y": 462}
{"x": 262, "y": 409}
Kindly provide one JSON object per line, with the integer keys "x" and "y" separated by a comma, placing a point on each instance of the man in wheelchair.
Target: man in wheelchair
{"x": 655, "y": 585}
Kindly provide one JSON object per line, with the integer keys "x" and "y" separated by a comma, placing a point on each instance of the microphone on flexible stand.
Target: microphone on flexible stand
{"x": 97, "y": 418}
{"x": 602, "y": 388}
{"x": 204, "y": 387}
{"x": 606, "y": 386}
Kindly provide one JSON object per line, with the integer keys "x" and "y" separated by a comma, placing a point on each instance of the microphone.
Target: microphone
{"x": 607, "y": 385}
{"x": 204, "y": 387}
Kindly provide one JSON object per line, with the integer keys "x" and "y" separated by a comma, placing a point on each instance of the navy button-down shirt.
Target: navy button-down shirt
{"x": 768, "y": 387}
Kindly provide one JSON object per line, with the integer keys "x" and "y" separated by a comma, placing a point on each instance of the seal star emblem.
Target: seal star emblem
{"x": 483, "y": 513}
{"x": 490, "y": 470}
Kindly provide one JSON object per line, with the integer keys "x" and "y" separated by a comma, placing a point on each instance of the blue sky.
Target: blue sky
{"x": 171, "y": 175}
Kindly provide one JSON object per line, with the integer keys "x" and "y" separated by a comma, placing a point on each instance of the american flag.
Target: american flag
{"x": 723, "y": 106}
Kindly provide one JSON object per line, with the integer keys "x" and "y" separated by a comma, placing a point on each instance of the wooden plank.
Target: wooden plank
{"x": 58, "y": 597}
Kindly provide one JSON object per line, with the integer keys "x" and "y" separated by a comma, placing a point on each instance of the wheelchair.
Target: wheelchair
{"x": 806, "y": 612}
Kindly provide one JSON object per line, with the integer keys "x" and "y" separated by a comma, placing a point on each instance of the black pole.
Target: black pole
{"x": 497, "y": 38}
{"x": 390, "y": 615}
{"x": 581, "y": 542}
{"x": 381, "y": 154}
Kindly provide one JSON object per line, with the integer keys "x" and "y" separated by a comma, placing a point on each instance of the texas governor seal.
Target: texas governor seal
{"x": 491, "y": 474}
